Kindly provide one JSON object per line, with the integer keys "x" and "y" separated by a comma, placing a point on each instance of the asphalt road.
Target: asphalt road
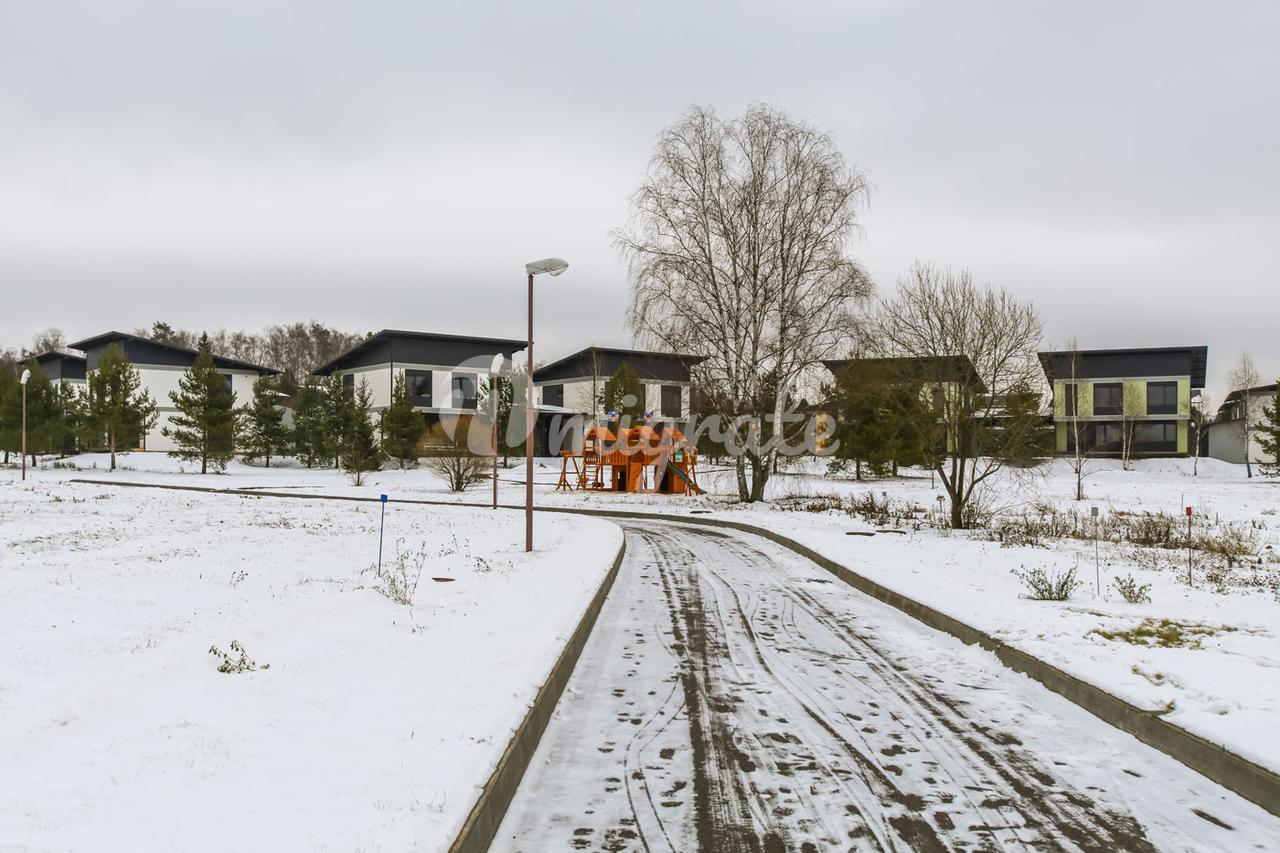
{"x": 736, "y": 697}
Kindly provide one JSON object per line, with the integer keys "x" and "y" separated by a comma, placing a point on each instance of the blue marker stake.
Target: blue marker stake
{"x": 381, "y": 526}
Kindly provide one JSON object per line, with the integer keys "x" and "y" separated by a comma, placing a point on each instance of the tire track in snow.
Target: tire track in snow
{"x": 763, "y": 707}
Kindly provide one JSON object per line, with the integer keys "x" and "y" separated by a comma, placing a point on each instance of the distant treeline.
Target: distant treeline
{"x": 296, "y": 349}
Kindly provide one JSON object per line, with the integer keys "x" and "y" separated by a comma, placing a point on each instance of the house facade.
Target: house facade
{"x": 63, "y": 366}
{"x": 443, "y": 373}
{"x": 1226, "y": 433}
{"x": 160, "y": 365}
{"x": 576, "y": 382}
{"x": 1100, "y": 396}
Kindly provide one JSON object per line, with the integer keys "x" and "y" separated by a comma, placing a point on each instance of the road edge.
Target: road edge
{"x": 1215, "y": 762}
{"x": 490, "y": 807}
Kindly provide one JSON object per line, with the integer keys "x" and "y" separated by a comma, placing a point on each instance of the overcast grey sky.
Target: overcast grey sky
{"x": 394, "y": 164}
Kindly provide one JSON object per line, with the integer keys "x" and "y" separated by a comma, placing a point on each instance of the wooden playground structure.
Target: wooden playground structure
{"x": 645, "y": 458}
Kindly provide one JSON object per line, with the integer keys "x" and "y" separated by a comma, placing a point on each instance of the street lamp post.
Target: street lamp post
{"x": 26, "y": 375}
{"x": 495, "y": 400}
{"x": 550, "y": 266}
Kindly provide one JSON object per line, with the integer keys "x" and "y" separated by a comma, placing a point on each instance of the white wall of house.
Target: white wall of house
{"x": 1226, "y": 437}
{"x": 161, "y": 381}
{"x": 581, "y": 395}
{"x": 381, "y": 379}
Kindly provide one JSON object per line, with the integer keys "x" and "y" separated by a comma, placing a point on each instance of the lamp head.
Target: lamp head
{"x": 26, "y": 374}
{"x": 498, "y": 362}
{"x": 551, "y": 266}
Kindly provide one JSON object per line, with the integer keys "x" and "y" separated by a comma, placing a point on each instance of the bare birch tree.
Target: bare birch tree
{"x": 937, "y": 321}
{"x": 1132, "y": 411}
{"x": 1200, "y": 418}
{"x": 738, "y": 246}
{"x": 1243, "y": 377}
{"x": 1080, "y": 454}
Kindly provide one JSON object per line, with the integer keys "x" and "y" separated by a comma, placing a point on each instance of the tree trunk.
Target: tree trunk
{"x": 112, "y": 436}
{"x": 740, "y": 466}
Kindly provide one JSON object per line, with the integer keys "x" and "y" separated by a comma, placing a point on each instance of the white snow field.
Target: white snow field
{"x": 375, "y": 723}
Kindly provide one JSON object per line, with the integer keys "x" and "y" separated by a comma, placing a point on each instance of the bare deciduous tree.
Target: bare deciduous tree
{"x": 1132, "y": 410}
{"x": 738, "y": 250}
{"x": 1243, "y": 377}
{"x": 977, "y": 428}
{"x": 1200, "y": 418}
{"x": 1080, "y": 454}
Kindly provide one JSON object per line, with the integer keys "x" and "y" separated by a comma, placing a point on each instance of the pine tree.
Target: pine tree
{"x": 1269, "y": 434}
{"x": 360, "y": 451}
{"x": 624, "y": 393}
{"x": 43, "y": 418}
{"x": 69, "y": 406}
{"x": 10, "y": 409}
{"x": 336, "y": 419}
{"x": 309, "y": 443}
{"x": 204, "y": 427}
{"x": 264, "y": 433}
{"x": 117, "y": 410}
{"x": 400, "y": 425}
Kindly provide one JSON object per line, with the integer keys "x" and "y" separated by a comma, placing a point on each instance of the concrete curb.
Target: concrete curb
{"x": 1230, "y": 770}
{"x": 491, "y": 806}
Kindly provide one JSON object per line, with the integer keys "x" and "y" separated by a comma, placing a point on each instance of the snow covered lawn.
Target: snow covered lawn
{"x": 368, "y": 724}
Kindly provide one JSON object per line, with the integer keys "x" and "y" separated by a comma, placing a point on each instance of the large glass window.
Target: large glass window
{"x": 1160, "y": 436}
{"x": 1162, "y": 398}
{"x": 671, "y": 401}
{"x": 464, "y": 391}
{"x": 1109, "y": 437}
{"x": 553, "y": 395}
{"x": 418, "y": 384}
{"x": 349, "y": 385}
{"x": 1108, "y": 398}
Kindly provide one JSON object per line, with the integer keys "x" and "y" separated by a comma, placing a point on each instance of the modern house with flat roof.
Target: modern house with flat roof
{"x": 1226, "y": 433}
{"x": 575, "y": 383}
{"x": 1100, "y": 393}
{"x": 63, "y": 366}
{"x": 443, "y": 373}
{"x": 159, "y": 366}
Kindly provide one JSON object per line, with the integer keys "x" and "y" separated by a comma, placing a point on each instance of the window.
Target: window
{"x": 1109, "y": 437}
{"x": 228, "y": 378}
{"x": 349, "y": 385}
{"x": 1155, "y": 436}
{"x": 464, "y": 391}
{"x": 553, "y": 395}
{"x": 1162, "y": 398}
{"x": 671, "y": 407}
{"x": 418, "y": 384}
{"x": 1071, "y": 395}
{"x": 1108, "y": 398}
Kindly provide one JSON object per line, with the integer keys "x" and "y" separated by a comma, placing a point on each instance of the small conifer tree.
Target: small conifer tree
{"x": 400, "y": 425}
{"x": 1269, "y": 434}
{"x": 204, "y": 426}
{"x": 118, "y": 411}
{"x": 336, "y": 418}
{"x": 360, "y": 451}
{"x": 264, "y": 432}
{"x": 309, "y": 443}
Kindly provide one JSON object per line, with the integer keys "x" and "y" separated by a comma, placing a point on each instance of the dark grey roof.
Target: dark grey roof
{"x": 392, "y": 345}
{"x": 1235, "y": 395}
{"x": 935, "y": 368}
{"x": 1130, "y": 361}
{"x": 605, "y": 361}
{"x": 174, "y": 355}
{"x": 60, "y": 364}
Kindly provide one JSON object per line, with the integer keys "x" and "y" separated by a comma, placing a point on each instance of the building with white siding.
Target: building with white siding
{"x": 576, "y": 382}
{"x": 160, "y": 365}
{"x": 443, "y": 373}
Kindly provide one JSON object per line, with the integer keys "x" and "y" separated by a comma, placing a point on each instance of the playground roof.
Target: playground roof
{"x": 605, "y": 361}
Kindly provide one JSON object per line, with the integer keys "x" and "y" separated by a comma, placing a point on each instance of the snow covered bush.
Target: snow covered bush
{"x": 1048, "y": 586}
{"x": 1132, "y": 591}
{"x": 231, "y": 664}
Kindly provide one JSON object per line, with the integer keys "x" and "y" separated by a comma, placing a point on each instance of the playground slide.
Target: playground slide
{"x": 679, "y": 472}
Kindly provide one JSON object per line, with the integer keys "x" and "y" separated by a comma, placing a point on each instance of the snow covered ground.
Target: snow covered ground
{"x": 1213, "y": 666}
{"x": 369, "y": 724}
